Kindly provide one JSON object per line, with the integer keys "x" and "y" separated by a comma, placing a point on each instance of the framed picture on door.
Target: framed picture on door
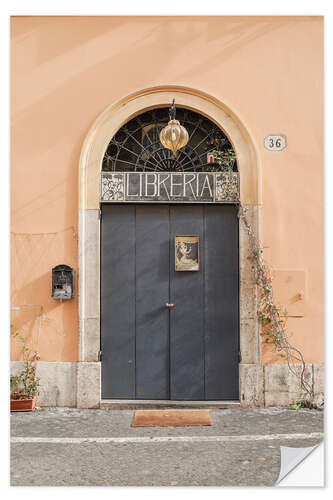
{"x": 187, "y": 254}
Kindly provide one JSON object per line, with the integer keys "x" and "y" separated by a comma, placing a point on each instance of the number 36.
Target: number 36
{"x": 275, "y": 142}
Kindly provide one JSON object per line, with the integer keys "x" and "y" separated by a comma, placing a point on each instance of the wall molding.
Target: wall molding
{"x": 91, "y": 158}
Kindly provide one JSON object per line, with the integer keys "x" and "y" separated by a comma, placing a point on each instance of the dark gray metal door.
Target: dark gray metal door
{"x": 150, "y": 351}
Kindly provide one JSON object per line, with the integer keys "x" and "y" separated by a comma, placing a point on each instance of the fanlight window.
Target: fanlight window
{"x": 136, "y": 146}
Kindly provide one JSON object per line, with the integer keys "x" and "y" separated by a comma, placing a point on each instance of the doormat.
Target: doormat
{"x": 171, "y": 418}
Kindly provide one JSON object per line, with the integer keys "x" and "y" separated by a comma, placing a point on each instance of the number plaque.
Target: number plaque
{"x": 275, "y": 142}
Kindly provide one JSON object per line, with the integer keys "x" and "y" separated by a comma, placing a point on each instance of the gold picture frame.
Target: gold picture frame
{"x": 187, "y": 252}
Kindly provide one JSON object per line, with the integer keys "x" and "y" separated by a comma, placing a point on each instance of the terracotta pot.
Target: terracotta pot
{"x": 23, "y": 404}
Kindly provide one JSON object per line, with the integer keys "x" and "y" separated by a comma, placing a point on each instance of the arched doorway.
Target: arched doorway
{"x": 92, "y": 159}
{"x": 169, "y": 263}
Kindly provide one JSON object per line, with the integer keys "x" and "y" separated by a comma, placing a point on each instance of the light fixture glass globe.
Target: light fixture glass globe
{"x": 174, "y": 136}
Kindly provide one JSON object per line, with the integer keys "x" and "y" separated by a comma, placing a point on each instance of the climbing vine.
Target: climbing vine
{"x": 272, "y": 317}
{"x": 226, "y": 160}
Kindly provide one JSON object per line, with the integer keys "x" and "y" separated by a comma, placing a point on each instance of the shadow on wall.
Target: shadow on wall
{"x": 48, "y": 325}
{"x": 83, "y": 54}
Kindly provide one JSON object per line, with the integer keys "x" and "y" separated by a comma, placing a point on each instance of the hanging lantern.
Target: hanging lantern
{"x": 174, "y": 136}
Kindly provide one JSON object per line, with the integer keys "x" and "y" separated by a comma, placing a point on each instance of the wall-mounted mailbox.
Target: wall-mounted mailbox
{"x": 62, "y": 282}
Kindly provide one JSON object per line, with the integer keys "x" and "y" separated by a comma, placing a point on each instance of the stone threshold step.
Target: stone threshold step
{"x": 135, "y": 404}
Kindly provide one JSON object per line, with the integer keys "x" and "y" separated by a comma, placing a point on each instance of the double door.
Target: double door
{"x": 169, "y": 334}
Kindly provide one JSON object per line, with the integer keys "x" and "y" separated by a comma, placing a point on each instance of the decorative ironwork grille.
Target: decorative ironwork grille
{"x": 136, "y": 146}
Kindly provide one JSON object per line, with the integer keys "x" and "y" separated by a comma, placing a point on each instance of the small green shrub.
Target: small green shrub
{"x": 25, "y": 385}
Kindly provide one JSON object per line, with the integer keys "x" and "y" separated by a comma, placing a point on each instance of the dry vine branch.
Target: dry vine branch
{"x": 271, "y": 316}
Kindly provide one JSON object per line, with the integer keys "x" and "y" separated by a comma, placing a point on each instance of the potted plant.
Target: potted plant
{"x": 24, "y": 386}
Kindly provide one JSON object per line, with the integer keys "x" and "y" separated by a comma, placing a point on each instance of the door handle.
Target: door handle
{"x": 169, "y": 306}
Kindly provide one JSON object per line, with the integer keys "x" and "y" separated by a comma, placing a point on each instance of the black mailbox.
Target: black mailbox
{"x": 62, "y": 282}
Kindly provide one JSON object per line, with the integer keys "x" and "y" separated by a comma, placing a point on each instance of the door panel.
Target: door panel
{"x": 221, "y": 302}
{"x": 118, "y": 301}
{"x": 186, "y": 318}
{"x": 189, "y": 352}
{"x": 152, "y": 293}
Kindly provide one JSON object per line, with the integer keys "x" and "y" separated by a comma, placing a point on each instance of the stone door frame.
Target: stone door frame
{"x": 95, "y": 144}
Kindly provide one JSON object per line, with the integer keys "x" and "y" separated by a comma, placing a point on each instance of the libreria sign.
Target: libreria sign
{"x": 203, "y": 187}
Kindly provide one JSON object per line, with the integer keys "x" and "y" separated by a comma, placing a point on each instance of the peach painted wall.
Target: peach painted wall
{"x": 67, "y": 70}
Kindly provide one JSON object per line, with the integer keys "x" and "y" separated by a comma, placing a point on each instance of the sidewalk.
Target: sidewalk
{"x": 60, "y": 447}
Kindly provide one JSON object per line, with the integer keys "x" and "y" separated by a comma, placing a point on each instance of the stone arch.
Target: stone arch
{"x": 109, "y": 122}
{"x": 95, "y": 144}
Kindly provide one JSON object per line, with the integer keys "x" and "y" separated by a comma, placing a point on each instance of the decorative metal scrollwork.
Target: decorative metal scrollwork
{"x": 137, "y": 147}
